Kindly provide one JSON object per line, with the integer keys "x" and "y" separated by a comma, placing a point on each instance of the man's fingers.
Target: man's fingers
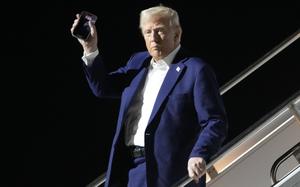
{"x": 75, "y": 23}
{"x": 194, "y": 173}
{"x": 92, "y": 27}
{"x": 196, "y": 168}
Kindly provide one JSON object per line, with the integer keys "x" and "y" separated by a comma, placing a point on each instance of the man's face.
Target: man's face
{"x": 160, "y": 37}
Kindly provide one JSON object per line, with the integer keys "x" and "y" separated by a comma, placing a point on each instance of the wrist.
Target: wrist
{"x": 89, "y": 50}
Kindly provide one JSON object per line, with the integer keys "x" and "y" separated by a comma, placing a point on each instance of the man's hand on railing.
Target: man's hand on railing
{"x": 196, "y": 168}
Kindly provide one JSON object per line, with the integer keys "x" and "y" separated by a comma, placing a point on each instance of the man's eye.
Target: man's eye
{"x": 147, "y": 32}
{"x": 161, "y": 31}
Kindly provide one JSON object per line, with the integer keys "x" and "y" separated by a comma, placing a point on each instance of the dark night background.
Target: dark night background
{"x": 58, "y": 134}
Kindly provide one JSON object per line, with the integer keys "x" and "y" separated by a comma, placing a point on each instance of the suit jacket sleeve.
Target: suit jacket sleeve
{"x": 105, "y": 83}
{"x": 211, "y": 114}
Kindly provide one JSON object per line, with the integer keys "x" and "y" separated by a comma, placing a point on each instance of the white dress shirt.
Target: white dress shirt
{"x": 89, "y": 58}
{"x": 139, "y": 112}
{"x": 142, "y": 107}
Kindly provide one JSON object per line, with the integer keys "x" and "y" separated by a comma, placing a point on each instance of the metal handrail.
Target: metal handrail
{"x": 98, "y": 181}
{"x": 261, "y": 61}
{"x": 280, "y": 160}
{"x": 227, "y": 86}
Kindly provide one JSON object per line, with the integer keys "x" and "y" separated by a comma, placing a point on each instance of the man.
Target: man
{"x": 171, "y": 118}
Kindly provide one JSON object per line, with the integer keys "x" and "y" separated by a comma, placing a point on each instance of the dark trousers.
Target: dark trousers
{"x": 135, "y": 176}
{"x": 137, "y": 173}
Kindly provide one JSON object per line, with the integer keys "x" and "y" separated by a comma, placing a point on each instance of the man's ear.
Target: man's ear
{"x": 177, "y": 35}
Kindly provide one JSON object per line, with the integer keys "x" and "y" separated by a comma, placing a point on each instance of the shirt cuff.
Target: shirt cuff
{"x": 89, "y": 58}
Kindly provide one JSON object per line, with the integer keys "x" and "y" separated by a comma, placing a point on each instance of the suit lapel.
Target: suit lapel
{"x": 169, "y": 82}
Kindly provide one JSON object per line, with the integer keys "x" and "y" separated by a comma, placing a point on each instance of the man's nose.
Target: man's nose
{"x": 154, "y": 36}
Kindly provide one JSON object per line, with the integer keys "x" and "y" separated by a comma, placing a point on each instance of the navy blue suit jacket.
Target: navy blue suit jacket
{"x": 188, "y": 118}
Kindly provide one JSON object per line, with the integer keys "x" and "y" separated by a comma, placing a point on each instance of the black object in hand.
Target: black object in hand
{"x": 82, "y": 29}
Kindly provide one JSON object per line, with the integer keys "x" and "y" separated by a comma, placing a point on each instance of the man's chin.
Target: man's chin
{"x": 156, "y": 55}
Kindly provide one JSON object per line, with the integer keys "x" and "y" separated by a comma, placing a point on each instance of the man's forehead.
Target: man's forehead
{"x": 154, "y": 25}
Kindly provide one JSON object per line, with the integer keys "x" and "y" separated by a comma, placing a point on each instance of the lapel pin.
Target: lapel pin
{"x": 178, "y": 69}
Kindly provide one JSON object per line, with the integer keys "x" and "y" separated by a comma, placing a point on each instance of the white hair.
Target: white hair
{"x": 161, "y": 11}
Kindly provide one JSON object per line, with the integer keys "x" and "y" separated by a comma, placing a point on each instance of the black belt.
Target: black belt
{"x": 137, "y": 151}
